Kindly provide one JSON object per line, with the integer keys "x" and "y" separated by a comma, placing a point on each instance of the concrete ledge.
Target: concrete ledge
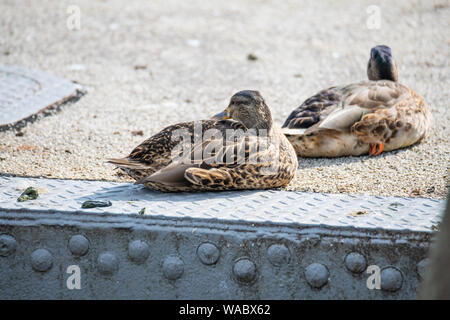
{"x": 252, "y": 244}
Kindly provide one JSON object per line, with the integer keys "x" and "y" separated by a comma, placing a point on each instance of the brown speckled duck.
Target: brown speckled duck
{"x": 257, "y": 156}
{"x": 367, "y": 117}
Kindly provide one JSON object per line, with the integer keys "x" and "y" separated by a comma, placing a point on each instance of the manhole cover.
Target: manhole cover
{"x": 24, "y": 93}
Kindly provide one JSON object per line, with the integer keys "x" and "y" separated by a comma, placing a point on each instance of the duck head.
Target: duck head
{"x": 382, "y": 65}
{"x": 249, "y": 108}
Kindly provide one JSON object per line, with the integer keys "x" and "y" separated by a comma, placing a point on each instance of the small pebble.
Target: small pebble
{"x": 137, "y": 133}
{"x": 431, "y": 189}
{"x": 30, "y": 193}
{"x": 358, "y": 213}
{"x": 193, "y": 43}
{"x": 96, "y": 203}
{"x": 252, "y": 57}
{"x": 76, "y": 67}
{"x": 435, "y": 227}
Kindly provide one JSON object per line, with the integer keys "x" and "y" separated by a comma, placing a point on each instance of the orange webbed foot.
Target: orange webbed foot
{"x": 376, "y": 149}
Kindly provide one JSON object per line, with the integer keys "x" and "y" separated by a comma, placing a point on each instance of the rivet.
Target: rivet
{"x": 107, "y": 263}
{"x": 138, "y": 251}
{"x": 244, "y": 270}
{"x": 391, "y": 279}
{"x": 78, "y": 245}
{"x": 317, "y": 275}
{"x": 173, "y": 267}
{"x": 355, "y": 262}
{"x": 41, "y": 260}
{"x": 421, "y": 267}
{"x": 208, "y": 253}
{"x": 278, "y": 254}
{"x": 8, "y": 245}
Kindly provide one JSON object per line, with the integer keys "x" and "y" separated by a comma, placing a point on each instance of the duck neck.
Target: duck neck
{"x": 388, "y": 73}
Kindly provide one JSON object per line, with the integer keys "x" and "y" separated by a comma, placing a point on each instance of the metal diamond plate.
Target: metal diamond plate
{"x": 225, "y": 245}
{"x": 269, "y": 207}
{"x": 25, "y": 92}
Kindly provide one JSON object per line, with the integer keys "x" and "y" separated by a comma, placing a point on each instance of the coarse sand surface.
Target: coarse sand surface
{"x": 149, "y": 64}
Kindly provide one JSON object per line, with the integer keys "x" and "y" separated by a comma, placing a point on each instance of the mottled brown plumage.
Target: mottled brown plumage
{"x": 230, "y": 153}
{"x": 365, "y": 117}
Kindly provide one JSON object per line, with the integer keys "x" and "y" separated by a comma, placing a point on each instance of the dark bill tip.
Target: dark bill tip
{"x": 221, "y": 116}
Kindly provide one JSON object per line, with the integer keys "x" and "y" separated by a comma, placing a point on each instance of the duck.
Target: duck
{"x": 239, "y": 148}
{"x": 368, "y": 117}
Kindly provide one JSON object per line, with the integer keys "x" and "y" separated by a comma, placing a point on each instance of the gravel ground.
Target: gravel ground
{"x": 148, "y": 64}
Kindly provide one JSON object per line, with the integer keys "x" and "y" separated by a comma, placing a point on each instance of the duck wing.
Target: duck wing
{"x": 156, "y": 152}
{"x": 219, "y": 161}
{"x": 312, "y": 110}
{"x": 360, "y": 99}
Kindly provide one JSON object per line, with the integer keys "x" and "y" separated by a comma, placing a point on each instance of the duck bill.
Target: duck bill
{"x": 222, "y": 115}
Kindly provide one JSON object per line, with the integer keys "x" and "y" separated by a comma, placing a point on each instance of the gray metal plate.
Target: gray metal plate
{"x": 227, "y": 245}
{"x": 25, "y": 92}
{"x": 273, "y": 206}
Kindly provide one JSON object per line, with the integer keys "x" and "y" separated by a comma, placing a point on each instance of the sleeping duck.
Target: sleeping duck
{"x": 366, "y": 117}
{"x": 239, "y": 148}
